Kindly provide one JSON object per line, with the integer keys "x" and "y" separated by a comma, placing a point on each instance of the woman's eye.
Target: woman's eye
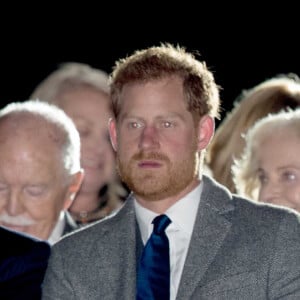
{"x": 289, "y": 176}
{"x": 83, "y": 133}
{"x": 262, "y": 178}
{"x": 3, "y": 188}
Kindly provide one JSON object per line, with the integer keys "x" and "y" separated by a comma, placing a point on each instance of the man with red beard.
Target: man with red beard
{"x": 219, "y": 246}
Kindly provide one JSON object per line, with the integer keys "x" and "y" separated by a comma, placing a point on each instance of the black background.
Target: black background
{"x": 242, "y": 49}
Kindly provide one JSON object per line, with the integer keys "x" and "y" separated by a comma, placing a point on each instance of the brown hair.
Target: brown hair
{"x": 201, "y": 91}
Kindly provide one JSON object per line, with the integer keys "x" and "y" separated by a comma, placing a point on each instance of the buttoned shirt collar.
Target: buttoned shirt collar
{"x": 182, "y": 213}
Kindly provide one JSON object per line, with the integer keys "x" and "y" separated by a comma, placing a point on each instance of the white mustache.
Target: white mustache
{"x": 16, "y": 221}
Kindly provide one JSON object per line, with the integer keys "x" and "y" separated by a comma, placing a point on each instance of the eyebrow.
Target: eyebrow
{"x": 171, "y": 115}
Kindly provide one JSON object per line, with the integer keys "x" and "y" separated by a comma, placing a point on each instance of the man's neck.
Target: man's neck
{"x": 159, "y": 206}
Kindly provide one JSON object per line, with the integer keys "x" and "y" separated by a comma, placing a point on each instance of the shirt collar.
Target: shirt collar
{"x": 182, "y": 213}
{"x": 58, "y": 229}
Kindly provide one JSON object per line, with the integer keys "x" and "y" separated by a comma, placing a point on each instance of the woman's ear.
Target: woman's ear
{"x": 206, "y": 129}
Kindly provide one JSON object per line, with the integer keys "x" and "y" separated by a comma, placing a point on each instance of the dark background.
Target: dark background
{"x": 242, "y": 49}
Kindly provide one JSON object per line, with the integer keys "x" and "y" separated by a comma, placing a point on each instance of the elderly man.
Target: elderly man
{"x": 39, "y": 169}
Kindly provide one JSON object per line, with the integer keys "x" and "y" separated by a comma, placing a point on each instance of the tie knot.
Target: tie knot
{"x": 160, "y": 223}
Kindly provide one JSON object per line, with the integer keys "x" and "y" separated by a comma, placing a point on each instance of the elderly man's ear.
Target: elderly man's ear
{"x": 74, "y": 187}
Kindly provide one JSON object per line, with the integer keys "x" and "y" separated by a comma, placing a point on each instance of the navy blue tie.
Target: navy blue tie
{"x": 153, "y": 279}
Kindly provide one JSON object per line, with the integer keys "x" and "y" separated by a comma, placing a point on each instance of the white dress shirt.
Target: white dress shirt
{"x": 58, "y": 229}
{"x": 183, "y": 215}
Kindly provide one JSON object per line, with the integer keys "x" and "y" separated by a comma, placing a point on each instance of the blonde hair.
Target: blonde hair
{"x": 70, "y": 76}
{"x": 244, "y": 170}
{"x": 271, "y": 96}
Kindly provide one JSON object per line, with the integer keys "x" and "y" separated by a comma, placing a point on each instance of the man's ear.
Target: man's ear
{"x": 113, "y": 133}
{"x": 73, "y": 188}
{"x": 206, "y": 129}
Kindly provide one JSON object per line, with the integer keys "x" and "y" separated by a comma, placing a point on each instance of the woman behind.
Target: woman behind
{"x": 270, "y": 96}
{"x": 83, "y": 93}
{"x": 269, "y": 169}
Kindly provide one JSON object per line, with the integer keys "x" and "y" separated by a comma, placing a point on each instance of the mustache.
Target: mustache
{"x": 151, "y": 155}
{"x": 16, "y": 221}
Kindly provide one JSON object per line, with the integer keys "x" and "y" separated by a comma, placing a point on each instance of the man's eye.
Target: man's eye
{"x": 167, "y": 124}
{"x": 35, "y": 190}
{"x": 135, "y": 125}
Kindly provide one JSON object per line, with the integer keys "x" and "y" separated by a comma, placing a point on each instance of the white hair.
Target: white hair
{"x": 59, "y": 120}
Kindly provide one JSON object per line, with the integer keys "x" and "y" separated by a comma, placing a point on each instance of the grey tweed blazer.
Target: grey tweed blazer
{"x": 239, "y": 250}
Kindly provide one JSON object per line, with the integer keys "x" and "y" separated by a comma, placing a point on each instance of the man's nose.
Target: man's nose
{"x": 14, "y": 205}
{"x": 149, "y": 138}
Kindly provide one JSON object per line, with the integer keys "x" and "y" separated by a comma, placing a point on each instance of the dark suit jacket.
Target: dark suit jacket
{"x": 239, "y": 250}
{"x": 23, "y": 261}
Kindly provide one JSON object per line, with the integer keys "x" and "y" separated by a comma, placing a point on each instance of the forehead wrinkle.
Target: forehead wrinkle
{"x": 31, "y": 127}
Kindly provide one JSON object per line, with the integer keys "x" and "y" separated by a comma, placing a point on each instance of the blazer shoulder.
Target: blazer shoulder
{"x": 113, "y": 227}
{"x": 266, "y": 216}
{"x": 18, "y": 243}
{"x": 243, "y": 210}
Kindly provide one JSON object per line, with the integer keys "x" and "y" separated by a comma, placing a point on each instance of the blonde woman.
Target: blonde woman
{"x": 83, "y": 93}
{"x": 269, "y": 170}
{"x": 270, "y": 96}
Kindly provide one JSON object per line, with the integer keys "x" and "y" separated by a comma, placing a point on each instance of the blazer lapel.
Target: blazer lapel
{"x": 210, "y": 230}
{"x": 120, "y": 264}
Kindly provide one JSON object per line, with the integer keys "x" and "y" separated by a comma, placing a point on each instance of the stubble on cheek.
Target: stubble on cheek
{"x": 158, "y": 183}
